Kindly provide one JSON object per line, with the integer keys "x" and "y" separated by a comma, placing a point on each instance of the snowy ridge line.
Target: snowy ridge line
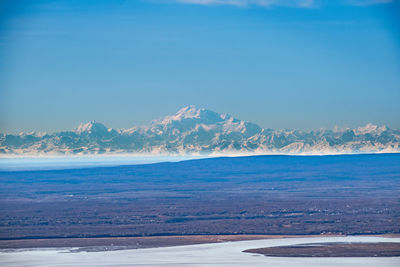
{"x": 194, "y": 131}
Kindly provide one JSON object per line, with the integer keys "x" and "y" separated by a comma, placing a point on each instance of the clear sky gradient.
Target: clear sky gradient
{"x": 281, "y": 64}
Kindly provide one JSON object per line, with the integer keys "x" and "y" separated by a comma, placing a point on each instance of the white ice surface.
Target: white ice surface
{"x": 221, "y": 254}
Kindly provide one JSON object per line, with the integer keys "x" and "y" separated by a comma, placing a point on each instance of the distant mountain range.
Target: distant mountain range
{"x": 201, "y": 131}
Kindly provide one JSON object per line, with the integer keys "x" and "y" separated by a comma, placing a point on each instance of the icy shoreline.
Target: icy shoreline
{"x": 216, "y": 254}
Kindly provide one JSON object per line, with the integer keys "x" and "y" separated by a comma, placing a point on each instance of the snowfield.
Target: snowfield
{"x": 220, "y": 254}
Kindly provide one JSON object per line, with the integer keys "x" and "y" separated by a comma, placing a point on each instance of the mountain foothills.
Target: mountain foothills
{"x": 201, "y": 131}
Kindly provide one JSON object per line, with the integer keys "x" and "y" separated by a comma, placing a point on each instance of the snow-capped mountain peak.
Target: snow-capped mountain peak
{"x": 198, "y": 130}
{"x": 188, "y": 112}
{"x": 192, "y": 113}
{"x": 91, "y": 127}
{"x": 370, "y": 129}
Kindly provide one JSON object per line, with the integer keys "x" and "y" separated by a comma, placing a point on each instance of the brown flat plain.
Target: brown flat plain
{"x": 145, "y": 242}
{"x": 201, "y": 201}
{"x": 380, "y": 249}
{"x": 136, "y": 242}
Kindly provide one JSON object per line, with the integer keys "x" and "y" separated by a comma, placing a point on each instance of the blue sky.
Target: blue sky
{"x": 281, "y": 64}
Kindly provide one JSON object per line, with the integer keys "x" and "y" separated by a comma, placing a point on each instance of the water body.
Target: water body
{"x": 220, "y": 254}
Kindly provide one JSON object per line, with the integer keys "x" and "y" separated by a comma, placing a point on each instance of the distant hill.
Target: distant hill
{"x": 200, "y": 131}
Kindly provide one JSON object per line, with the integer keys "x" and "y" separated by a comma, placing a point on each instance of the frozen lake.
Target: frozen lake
{"x": 221, "y": 254}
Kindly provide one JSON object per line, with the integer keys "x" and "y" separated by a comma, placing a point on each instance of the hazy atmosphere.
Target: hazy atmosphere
{"x": 200, "y": 133}
{"x": 280, "y": 64}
